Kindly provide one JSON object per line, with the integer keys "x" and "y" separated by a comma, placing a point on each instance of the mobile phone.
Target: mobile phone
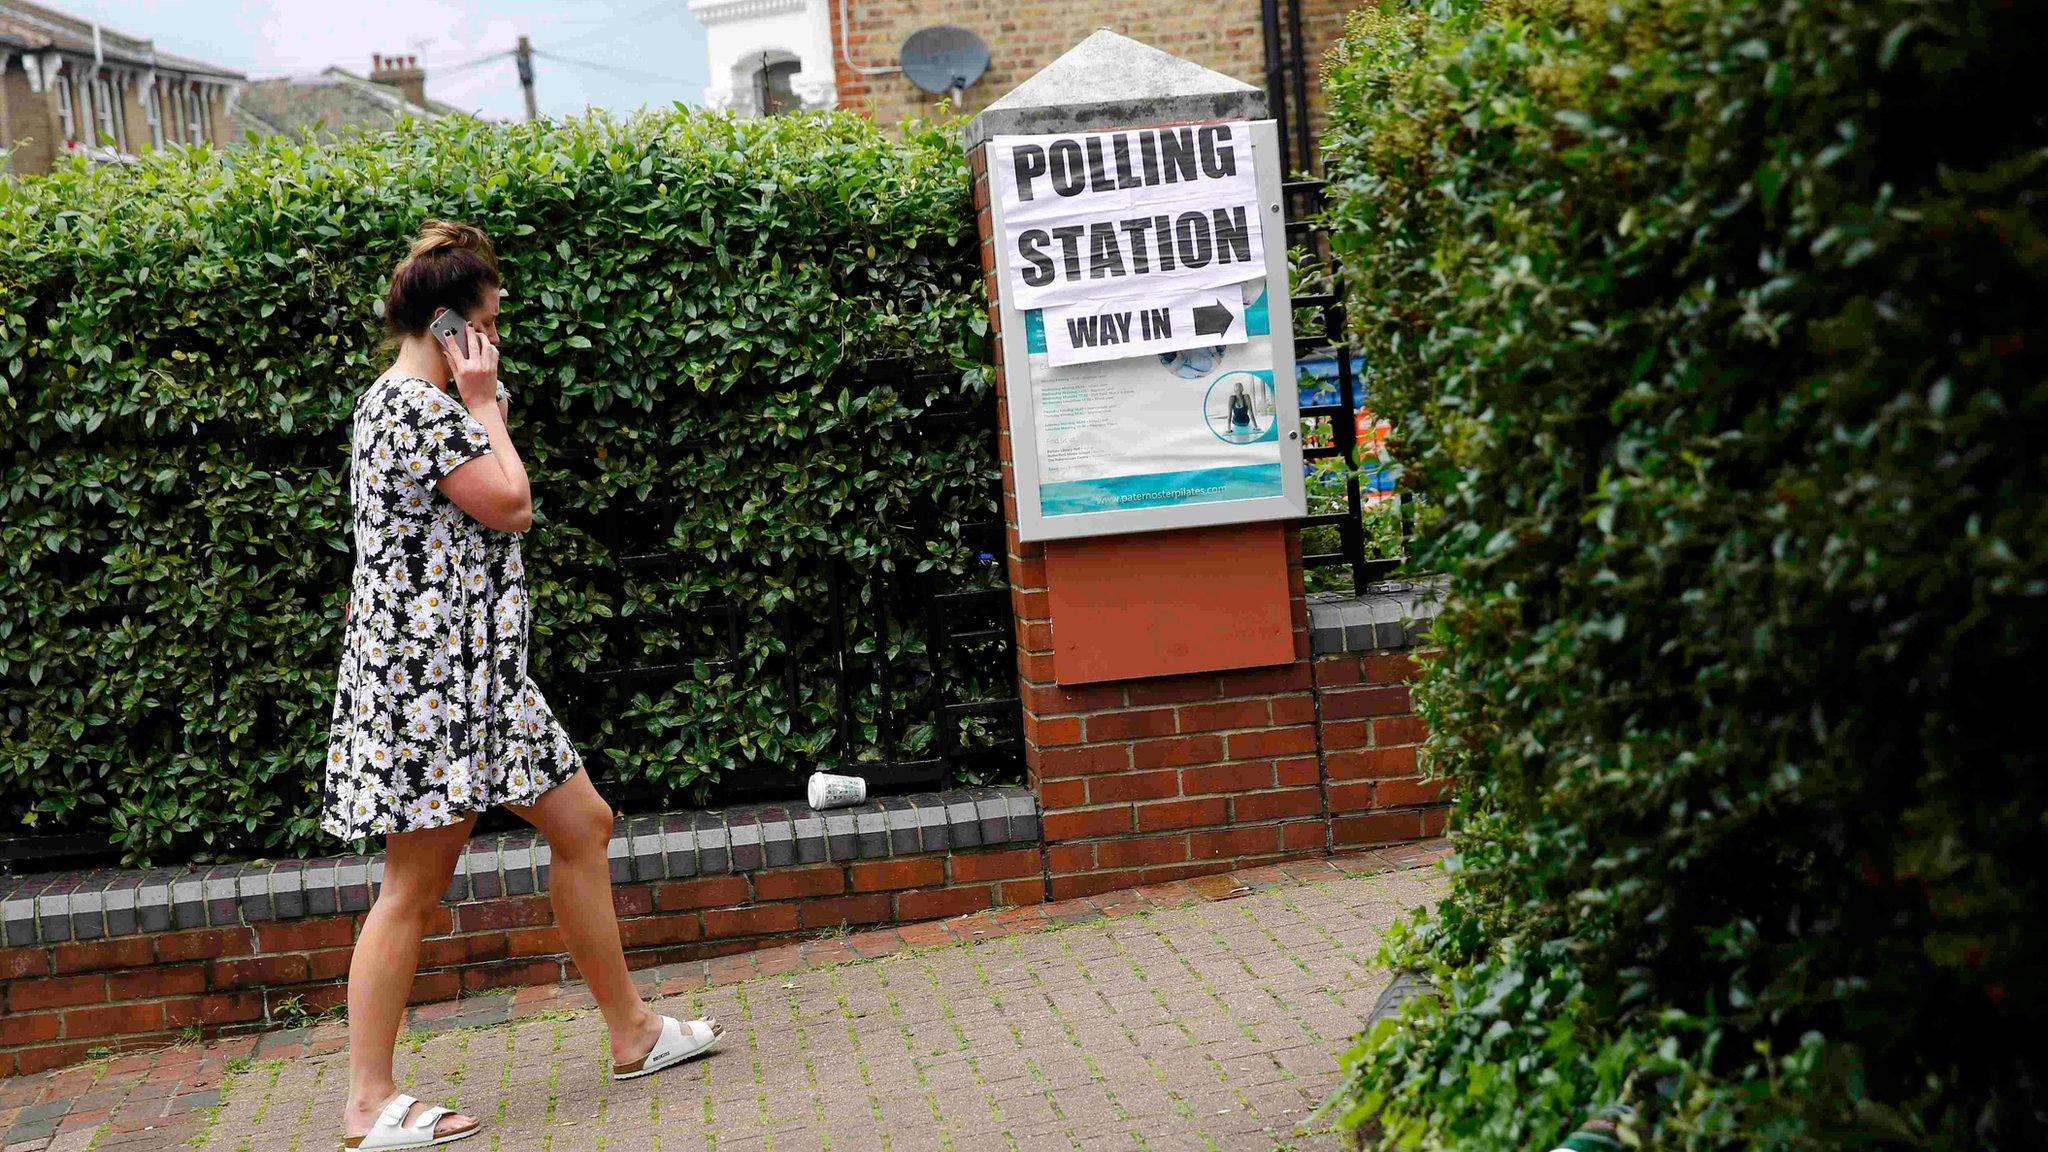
{"x": 452, "y": 323}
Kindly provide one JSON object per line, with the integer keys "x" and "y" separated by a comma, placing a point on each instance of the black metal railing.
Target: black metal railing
{"x": 910, "y": 683}
{"x": 904, "y": 677}
{"x": 1319, "y": 331}
{"x": 1288, "y": 63}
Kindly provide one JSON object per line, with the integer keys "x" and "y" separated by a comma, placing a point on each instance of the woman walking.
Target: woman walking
{"x": 435, "y": 718}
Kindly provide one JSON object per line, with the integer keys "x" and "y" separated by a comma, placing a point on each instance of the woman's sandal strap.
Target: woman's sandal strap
{"x": 392, "y": 1115}
{"x": 425, "y": 1126}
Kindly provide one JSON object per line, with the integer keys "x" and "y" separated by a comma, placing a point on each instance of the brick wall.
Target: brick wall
{"x": 1159, "y": 780}
{"x": 135, "y": 117}
{"x": 1023, "y": 37}
{"x": 1225, "y": 35}
{"x": 62, "y": 1002}
{"x": 1370, "y": 738}
{"x": 1155, "y": 780}
{"x": 223, "y": 123}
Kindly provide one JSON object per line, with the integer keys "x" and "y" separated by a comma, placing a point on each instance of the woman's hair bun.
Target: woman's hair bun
{"x": 449, "y": 265}
{"x": 442, "y": 235}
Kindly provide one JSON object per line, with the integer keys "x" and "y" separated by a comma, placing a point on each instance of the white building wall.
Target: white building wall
{"x": 740, "y": 32}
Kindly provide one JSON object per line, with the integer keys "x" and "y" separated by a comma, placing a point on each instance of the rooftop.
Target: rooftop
{"x": 34, "y": 28}
{"x": 329, "y": 103}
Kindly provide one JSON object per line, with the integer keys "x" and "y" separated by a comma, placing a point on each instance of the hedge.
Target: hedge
{"x": 181, "y": 343}
{"x": 1713, "y": 335}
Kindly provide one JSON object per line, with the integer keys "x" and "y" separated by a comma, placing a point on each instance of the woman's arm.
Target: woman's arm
{"x": 493, "y": 487}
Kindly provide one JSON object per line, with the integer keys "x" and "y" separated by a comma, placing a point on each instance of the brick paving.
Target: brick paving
{"x": 1203, "y": 1014}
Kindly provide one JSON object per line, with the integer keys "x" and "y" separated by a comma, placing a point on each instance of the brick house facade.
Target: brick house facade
{"x": 71, "y": 86}
{"x": 843, "y": 53}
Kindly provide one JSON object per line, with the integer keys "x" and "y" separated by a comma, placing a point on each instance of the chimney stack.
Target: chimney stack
{"x": 403, "y": 73}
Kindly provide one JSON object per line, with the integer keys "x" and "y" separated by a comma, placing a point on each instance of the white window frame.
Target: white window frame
{"x": 67, "y": 108}
{"x": 195, "y": 117}
{"x": 81, "y": 95}
{"x": 106, "y": 110}
{"x": 153, "y": 113}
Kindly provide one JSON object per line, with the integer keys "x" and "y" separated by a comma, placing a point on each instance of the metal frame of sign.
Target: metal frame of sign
{"x": 1291, "y": 504}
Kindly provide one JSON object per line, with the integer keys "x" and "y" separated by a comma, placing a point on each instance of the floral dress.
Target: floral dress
{"x": 434, "y": 715}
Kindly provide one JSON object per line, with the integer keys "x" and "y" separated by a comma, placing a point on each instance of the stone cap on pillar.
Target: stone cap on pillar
{"x": 1111, "y": 81}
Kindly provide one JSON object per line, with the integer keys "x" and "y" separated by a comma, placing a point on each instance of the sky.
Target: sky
{"x": 627, "y": 54}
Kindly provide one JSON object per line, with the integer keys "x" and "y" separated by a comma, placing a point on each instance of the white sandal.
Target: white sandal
{"x": 679, "y": 1041}
{"x": 391, "y": 1133}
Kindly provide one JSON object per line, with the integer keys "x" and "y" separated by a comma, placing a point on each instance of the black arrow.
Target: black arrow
{"x": 1212, "y": 319}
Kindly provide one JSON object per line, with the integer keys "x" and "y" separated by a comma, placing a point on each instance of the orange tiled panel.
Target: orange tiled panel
{"x": 1168, "y": 603}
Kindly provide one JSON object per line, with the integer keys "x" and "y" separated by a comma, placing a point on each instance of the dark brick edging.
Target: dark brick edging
{"x": 126, "y": 961}
{"x": 63, "y": 907}
{"x": 1132, "y": 784}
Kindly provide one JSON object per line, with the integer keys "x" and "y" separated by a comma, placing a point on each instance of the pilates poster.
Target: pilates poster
{"x": 1157, "y": 430}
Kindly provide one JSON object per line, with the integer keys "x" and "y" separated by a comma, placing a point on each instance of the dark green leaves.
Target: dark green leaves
{"x": 1712, "y": 334}
{"x": 183, "y": 341}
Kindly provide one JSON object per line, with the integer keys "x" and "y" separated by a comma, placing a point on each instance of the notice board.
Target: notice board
{"x": 1148, "y": 338}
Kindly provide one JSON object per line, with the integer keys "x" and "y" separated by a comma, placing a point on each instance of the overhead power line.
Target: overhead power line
{"x": 614, "y": 69}
{"x": 476, "y": 62}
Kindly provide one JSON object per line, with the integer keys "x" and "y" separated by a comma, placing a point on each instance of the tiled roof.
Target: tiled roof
{"x": 33, "y": 27}
{"x": 334, "y": 101}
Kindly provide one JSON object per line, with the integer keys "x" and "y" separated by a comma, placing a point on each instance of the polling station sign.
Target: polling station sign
{"x": 1149, "y": 387}
{"x": 1146, "y": 215}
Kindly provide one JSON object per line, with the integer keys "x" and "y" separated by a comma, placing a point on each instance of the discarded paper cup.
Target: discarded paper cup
{"x": 829, "y": 791}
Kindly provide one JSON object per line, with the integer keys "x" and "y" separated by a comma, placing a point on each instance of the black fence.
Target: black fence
{"x": 901, "y": 674}
{"x": 1319, "y": 332}
{"x": 1288, "y": 62}
{"x": 906, "y": 678}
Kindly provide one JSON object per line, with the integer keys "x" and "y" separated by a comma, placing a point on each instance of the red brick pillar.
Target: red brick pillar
{"x": 1150, "y": 780}
{"x": 1170, "y": 706}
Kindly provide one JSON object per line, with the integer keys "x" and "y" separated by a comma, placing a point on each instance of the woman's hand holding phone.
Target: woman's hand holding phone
{"x": 494, "y": 489}
{"x": 476, "y": 368}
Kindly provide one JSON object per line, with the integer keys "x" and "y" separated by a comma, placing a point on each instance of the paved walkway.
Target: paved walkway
{"x": 1206, "y": 1014}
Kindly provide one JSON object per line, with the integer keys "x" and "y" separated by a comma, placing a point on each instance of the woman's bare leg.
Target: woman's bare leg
{"x": 417, "y": 866}
{"x": 578, "y": 825}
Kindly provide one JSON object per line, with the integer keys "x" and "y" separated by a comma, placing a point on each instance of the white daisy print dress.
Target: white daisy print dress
{"x": 434, "y": 715}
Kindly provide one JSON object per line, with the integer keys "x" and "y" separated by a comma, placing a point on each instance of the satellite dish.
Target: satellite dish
{"x": 944, "y": 59}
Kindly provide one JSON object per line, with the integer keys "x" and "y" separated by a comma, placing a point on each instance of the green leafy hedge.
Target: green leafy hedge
{"x": 1714, "y": 333}
{"x": 180, "y": 348}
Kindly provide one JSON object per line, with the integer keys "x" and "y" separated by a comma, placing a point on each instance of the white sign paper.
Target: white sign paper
{"x": 1143, "y": 326}
{"x": 1141, "y": 214}
{"x": 1145, "y": 394}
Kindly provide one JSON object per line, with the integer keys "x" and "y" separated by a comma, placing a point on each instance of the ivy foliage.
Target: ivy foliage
{"x": 689, "y": 298}
{"x": 1712, "y": 332}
